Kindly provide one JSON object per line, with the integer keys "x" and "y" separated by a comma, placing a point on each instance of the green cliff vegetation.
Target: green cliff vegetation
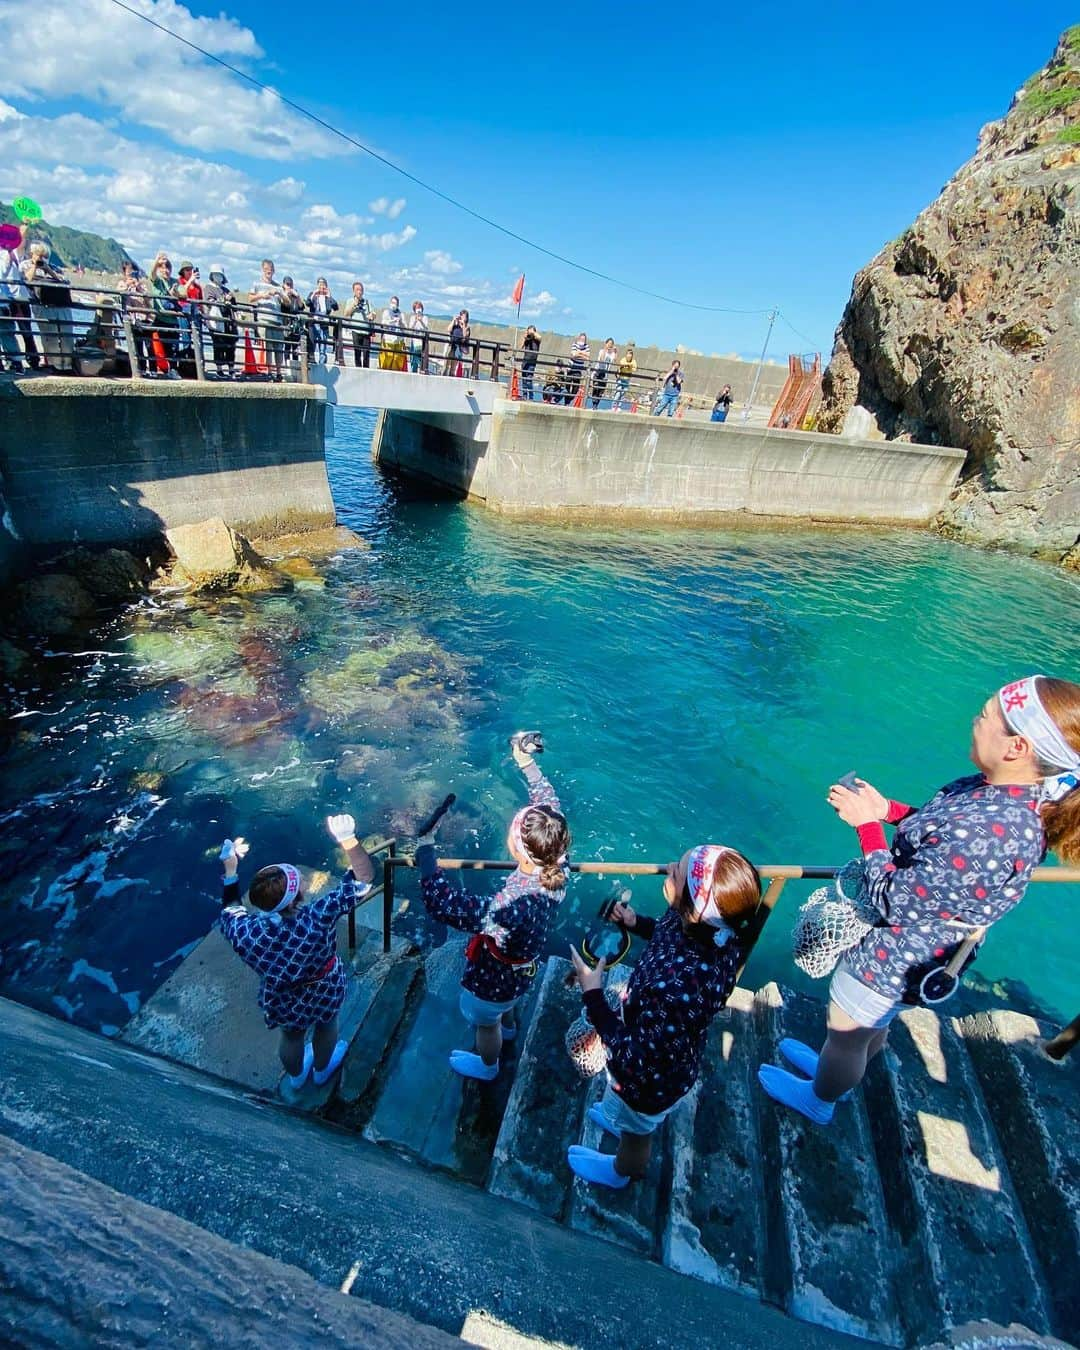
{"x": 73, "y": 248}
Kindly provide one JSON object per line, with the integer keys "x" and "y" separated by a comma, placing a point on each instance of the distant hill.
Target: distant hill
{"x": 72, "y": 248}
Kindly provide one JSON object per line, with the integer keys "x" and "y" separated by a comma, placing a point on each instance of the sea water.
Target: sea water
{"x": 692, "y": 686}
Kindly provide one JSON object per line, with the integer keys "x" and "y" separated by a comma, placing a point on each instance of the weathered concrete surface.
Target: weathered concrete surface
{"x": 543, "y": 1116}
{"x": 543, "y": 459}
{"x": 299, "y": 1191}
{"x": 424, "y": 1107}
{"x": 81, "y": 1265}
{"x": 206, "y": 1014}
{"x": 113, "y": 461}
{"x": 1034, "y": 1103}
{"x": 715, "y": 1226}
{"x": 825, "y": 1214}
{"x": 964, "y": 1251}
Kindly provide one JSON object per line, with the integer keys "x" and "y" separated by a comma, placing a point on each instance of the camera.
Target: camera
{"x": 528, "y": 742}
{"x": 608, "y": 940}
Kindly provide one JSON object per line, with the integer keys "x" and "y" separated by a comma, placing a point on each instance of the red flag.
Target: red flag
{"x": 519, "y": 290}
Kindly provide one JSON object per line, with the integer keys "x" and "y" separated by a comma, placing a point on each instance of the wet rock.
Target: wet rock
{"x": 302, "y": 570}
{"x": 312, "y": 544}
{"x": 113, "y": 576}
{"x": 212, "y": 556}
{"x": 14, "y": 662}
{"x": 965, "y": 330}
{"x": 53, "y": 605}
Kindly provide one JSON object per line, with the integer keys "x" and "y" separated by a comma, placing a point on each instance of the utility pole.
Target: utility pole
{"x": 757, "y": 373}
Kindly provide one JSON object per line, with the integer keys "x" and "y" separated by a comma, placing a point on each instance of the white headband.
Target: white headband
{"x": 292, "y": 887}
{"x": 519, "y": 843}
{"x": 1024, "y": 714}
{"x": 700, "y": 878}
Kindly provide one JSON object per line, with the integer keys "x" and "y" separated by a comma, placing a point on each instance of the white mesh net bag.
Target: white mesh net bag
{"x": 832, "y": 920}
{"x": 583, "y": 1044}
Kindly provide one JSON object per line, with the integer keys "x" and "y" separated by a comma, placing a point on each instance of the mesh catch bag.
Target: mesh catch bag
{"x": 832, "y": 920}
{"x": 583, "y": 1044}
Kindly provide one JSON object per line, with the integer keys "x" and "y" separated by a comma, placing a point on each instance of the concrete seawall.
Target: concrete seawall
{"x": 541, "y": 459}
{"x": 109, "y": 461}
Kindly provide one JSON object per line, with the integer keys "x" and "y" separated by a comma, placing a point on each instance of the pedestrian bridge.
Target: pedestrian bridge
{"x": 402, "y": 391}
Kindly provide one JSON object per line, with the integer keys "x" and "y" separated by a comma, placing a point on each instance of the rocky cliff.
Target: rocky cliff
{"x": 966, "y": 329}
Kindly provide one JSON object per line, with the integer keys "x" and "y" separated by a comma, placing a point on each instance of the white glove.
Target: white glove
{"x": 234, "y": 848}
{"x": 342, "y": 828}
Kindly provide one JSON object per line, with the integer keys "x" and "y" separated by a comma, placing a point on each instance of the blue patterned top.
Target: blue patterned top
{"x": 288, "y": 952}
{"x": 961, "y": 861}
{"x": 673, "y": 994}
{"x": 517, "y": 917}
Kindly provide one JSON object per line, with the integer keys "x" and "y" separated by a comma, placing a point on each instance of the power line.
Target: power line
{"x": 428, "y": 187}
{"x": 784, "y": 320}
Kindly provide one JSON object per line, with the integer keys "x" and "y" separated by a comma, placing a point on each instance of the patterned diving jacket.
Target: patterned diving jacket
{"x": 516, "y": 919}
{"x": 961, "y": 861}
{"x": 301, "y": 981}
{"x": 673, "y": 994}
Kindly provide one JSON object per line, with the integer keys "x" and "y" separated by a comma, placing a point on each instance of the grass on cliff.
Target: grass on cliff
{"x": 1068, "y": 136}
{"x": 1051, "y": 100}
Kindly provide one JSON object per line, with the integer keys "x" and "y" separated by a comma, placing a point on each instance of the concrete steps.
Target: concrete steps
{"x": 920, "y": 1209}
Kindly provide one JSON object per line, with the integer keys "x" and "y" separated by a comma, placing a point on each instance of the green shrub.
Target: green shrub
{"x": 1052, "y": 100}
{"x": 1068, "y": 136}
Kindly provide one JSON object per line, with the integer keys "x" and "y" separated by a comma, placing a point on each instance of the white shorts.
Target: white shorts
{"x": 628, "y": 1121}
{"x": 865, "y": 1006}
{"x": 481, "y": 1012}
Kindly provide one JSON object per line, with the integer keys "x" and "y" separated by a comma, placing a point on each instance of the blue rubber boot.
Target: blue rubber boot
{"x": 795, "y": 1092}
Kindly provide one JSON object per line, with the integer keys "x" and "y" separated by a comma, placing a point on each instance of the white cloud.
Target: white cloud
{"x": 438, "y": 260}
{"x": 383, "y": 206}
{"x": 100, "y": 53}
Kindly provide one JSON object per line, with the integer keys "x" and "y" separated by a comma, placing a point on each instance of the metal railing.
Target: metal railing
{"x": 776, "y": 874}
{"x": 132, "y": 334}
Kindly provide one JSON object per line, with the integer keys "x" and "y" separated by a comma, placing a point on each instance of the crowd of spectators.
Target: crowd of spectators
{"x": 169, "y": 313}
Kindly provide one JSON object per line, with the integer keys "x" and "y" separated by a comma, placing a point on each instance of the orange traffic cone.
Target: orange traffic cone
{"x": 633, "y": 405}
{"x": 579, "y": 397}
{"x": 515, "y": 389}
{"x": 680, "y": 412}
{"x": 158, "y": 347}
{"x": 251, "y": 366}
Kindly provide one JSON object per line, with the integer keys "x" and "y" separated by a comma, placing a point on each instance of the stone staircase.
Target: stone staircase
{"x": 947, "y": 1192}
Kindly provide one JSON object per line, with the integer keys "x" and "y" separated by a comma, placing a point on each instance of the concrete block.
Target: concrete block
{"x": 544, "y": 1113}
{"x": 963, "y": 1251}
{"x": 385, "y": 994}
{"x": 634, "y": 1216}
{"x": 715, "y": 1226}
{"x": 828, "y": 1251}
{"x": 1034, "y": 1103}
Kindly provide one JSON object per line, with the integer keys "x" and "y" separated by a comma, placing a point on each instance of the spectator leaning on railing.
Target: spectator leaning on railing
{"x": 221, "y": 320}
{"x": 166, "y": 312}
{"x": 392, "y": 338}
{"x": 669, "y": 394}
{"x": 135, "y": 305}
{"x": 605, "y": 359}
{"x": 292, "y": 306}
{"x": 579, "y": 359}
{"x": 266, "y": 297}
{"x": 627, "y": 369}
{"x": 530, "y": 348}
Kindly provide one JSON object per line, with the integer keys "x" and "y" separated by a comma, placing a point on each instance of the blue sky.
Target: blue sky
{"x": 729, "y": 159}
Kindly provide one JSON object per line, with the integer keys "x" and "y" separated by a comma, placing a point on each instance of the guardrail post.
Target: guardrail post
{"x": 388, "y": 893}
{"x": 1063, "y": 1043}
{"x": 339, "y": 342}
{"x": 475, "y": 368}
{"x": 495, "y": 362}
{"x": 305, "y": 353}
{"x": 424, "y": 348}
{"x": 133, "y": 354}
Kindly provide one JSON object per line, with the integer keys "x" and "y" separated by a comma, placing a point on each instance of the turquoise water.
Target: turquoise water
{"x": 691, "y": 685}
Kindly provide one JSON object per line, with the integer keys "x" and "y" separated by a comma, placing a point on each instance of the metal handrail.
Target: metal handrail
{"x": 776, "y": 874}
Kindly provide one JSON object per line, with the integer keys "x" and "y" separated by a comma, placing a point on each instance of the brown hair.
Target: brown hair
{"x": 1061, "y": 819}
{"x": 736, "y": 891}
{"x": 546, "y": 836}
{"x": 267, "y": 889}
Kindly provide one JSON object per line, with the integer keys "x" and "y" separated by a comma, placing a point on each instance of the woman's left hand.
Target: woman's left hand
{"x": 587, "y": 977}
{"x": 858, "y": 808}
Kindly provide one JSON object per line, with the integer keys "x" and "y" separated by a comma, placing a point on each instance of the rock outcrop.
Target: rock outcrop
{"x": 211, "y": 556}
{"x": 966, "y": 329}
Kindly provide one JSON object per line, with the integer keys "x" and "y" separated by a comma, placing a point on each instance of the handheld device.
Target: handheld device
{"x": 528, "y": 742}
{"x": 608, "y": 940}
{"x": 848, "y": 781}
{"x": 426, "y": 826}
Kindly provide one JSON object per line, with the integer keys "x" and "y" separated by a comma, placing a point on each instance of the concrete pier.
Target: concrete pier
{"x": 539, "y": 459}
{"x": 119, "y": 462}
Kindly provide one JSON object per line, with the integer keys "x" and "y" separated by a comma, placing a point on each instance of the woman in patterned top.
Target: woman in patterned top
{"x": 957, "y": 864}
{"x": 511, "y": 927}
{"x": 291, "y": 944}
{"x": 684, "y": 978}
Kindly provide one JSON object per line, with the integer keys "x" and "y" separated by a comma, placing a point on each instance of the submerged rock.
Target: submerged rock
{"x": 312, "y": 544}
{"x": 14, "y": 662}
{"x": 212, "y": 556}
{"x": 965, "y": 330}
{"x": 112, "y": 576}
